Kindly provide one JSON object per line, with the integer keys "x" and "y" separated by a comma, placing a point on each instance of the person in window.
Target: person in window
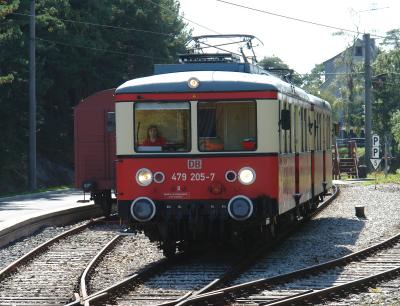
{"x": 153, "y": 137}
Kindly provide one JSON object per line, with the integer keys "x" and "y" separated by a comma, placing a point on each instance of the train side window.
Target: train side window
{"x": 295, "y": 129}
{"x": 290, "y": 129}
{"x": 317, "y": 130}
{"x": 281, "y": 133}
{"x": 285, "y": 114}
{"x": 323, "y": 125}
{"x": 305, "y": 130}
{"x": 110, "y": 122}
{"x": 301, "y": 130}
{"x": 321, "y": 130}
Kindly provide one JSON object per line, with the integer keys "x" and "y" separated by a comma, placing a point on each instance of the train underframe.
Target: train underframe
{"x": 183, "y": 224}
{"x": 104, "y": 200}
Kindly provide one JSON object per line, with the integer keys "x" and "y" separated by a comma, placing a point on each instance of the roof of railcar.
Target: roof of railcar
{"x": 218, "y": 80}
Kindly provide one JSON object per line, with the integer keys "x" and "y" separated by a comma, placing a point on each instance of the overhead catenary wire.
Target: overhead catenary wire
{"x": 97, "y": 49}
{"x": 194, "y": 22}
{"x": 184, "y": 18}
{"x": 296, "y": 19}
{"x": 117, "y": 28}
{"x": 104, "y": 25}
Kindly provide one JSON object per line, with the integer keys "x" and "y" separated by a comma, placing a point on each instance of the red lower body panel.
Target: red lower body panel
{"x": 197, "y": 178}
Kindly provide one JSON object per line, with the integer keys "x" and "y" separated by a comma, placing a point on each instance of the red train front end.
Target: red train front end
{"x": 192, "y": 166}
{"x": 218, "y": 155}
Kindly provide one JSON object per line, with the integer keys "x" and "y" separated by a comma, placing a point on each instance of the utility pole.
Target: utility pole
{"x": 368, "y": 98}
{"x": 32, "y": 99}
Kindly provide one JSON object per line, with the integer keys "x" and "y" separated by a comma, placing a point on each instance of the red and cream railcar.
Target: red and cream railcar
{"x": 241, "y": 150}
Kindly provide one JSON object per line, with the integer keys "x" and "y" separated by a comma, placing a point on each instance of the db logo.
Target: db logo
{"x": 194, "y": 163}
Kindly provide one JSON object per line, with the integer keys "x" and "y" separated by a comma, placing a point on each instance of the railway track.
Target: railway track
{"x": 171, "y": 281}
{"x": 94, "y": 255}
{"x": 33, "y": 224}
{"x": 47, "y": 274}
{"x": 322, "y": 282}
{"x": 338, "y": 277}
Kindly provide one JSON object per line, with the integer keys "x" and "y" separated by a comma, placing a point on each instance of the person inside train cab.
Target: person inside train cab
{"x": 153, "y": 137}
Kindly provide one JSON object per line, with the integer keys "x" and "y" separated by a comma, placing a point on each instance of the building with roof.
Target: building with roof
{"x": 341, "y": 79}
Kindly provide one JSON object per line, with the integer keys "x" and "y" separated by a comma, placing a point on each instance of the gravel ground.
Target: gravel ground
{"x": 51, "y": 278}
{"x": 337, "y": 232}
{"x": 16, "y": 249}
{"x": 334, "y": 233}
{"x": 129, "y": 256}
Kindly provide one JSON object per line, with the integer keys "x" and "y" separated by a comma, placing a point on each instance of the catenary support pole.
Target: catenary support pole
{"x": 368, "y": 99}
{"x": 32, "y": 99}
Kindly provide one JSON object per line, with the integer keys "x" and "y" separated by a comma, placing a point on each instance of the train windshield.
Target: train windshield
{"x": 162, "y": 126}
{"x": 227, "y": 126}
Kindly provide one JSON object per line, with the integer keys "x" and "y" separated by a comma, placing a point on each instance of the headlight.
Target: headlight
{"x": 144, "y": 177}
{"x": 143, "y": 209}
{"x": 247, "y": 176}
{"x": 240, "y": 208}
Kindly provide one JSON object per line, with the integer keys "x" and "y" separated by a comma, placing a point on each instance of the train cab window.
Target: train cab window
{"x": 226, "y": 126}
{"x": 162, "y": 127}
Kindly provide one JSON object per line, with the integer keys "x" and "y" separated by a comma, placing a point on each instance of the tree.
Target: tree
{"x": 392, "y": 39}
{"x": 276, "y": 66}
{"x": 8, "y": 32}
{"x": 13, "y": 97}
{"x": 313, "y": 84}
{"x": 395, "y": 122}
{"x": 386, "y": 91}
{"x": 82, "y": 46}
{"x": 313, "y": 81}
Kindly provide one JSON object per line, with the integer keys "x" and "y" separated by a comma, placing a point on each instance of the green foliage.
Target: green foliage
{"x": 386, "y": 103}
{"x": 276, "y": 66}
{"x": 395, "y": 122}
{"x": 75, "y": 57}
{"x": 381, "y": 178}
{"x": 386, "y": 91}
{"x": 313, "y": 84}
{"x": 313, "y": 81}
{"x": 392, "y": 38}
{"x": 272, "y": 62}
{"x": 348, "y": 88}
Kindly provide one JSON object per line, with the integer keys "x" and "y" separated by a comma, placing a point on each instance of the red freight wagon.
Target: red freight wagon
{"x": 94, "y": 127}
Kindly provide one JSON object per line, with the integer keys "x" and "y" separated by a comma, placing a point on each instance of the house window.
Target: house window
{"x": 358, "y": 51}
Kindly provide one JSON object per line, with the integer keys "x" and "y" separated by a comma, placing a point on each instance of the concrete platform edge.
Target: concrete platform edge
{"x": 57, "y": 218}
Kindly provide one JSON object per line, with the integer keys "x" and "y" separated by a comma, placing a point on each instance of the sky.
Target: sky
{"x": 298, "y": 44}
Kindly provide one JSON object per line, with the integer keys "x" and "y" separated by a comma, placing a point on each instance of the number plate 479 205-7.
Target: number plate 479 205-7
{"x": 192, "y": 176}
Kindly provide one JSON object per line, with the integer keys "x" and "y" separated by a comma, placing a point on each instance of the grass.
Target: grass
{"x": 391, "y": 178}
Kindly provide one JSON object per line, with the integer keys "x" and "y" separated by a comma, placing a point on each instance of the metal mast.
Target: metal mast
{"x": 32, "y": 99}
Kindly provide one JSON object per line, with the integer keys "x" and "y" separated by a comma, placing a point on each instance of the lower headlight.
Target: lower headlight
{"x": 144, "y": 177}
{"x": 143, "y": 209}
{"x": 247, "y": 176}
{"x": 240, "y": 208}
